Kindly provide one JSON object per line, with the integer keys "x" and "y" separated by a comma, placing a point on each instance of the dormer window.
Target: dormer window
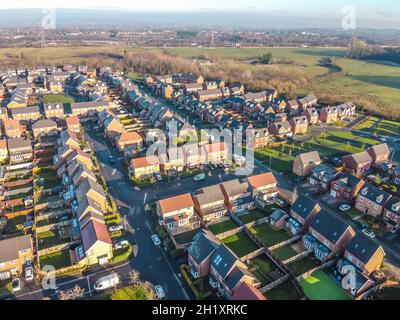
{"x": 379, "y": 199}
{"x": 396, "y": 206}
{"x": 364, "y": 191}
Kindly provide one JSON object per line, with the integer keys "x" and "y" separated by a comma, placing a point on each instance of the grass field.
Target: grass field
{"x": 240, "y": 243}
{"x": 268, "y": 235}
{"x": 59, "y": 259}
{"x": 221, "y": 227}
{"x": 320, "y": 287}
{"x": 57, "y": 98}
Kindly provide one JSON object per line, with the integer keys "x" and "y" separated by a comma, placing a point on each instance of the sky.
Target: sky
{"x": 384, "y": 12}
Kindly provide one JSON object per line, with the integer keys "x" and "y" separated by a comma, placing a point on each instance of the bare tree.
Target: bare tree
{"x": 134, "y": 277}
{"x": 76, "y": 293}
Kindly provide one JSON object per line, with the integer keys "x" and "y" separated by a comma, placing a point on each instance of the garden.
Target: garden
{"x": 60, "y": 259}
{"x": 268, "y": 235}
{"x": 222, "y": 227}
{"x": 241, "y": 244}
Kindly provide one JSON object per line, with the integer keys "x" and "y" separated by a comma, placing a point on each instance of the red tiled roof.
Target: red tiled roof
{"x": 95, "y": 231}
{"x": 262, "y": 180}
{"x": 128, "y": 136}
{"x": 72, "y": 121}
{"x": 144, "y": 162}
{"x": 175, "y": 203}
{"x": 246, "y": 292}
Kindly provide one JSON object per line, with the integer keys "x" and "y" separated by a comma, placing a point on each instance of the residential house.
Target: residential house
{"x": 327, "y": 236}
{"x": 92, "y": 189}
{"x": 68, "y": 138}
{"x": 14, "y": 254}
{"x": 371, "y": 200}
{"x": 379, "y": 153}
{"x": 44, "y": 128}
{"x": 257, "y": 138}
{"x": 329, "y": 115}
{"x": 26, "y": 113}
{"x": 20, "y": 150}
{"x": 322, "y": 176}
{"x": 192, "y": 87}
{"x": 304, "y": 162}
{"x": 129, "y": 140}
{"x": 264, "y": 188}
{"x": 292, "y": 107}
{"x": 204, "y": 95}
{"x": 308, "y": 101}
{"x": 216, "y": 152}
{"x": 88, "y": 108}
{"x": 172, "y": 161}
{"x": 346, "y": 187}
{"x": 81, "y": 174}
{"x": 87, "y": 206}
{"x": 251, "y": 109}
{"x": 312, "y": 115}
{"x": 245, "y": 292}
{"x": 73, "y": 124}
{"x": 209, "y": 203}
{"x": 3, "y": 150}
{"x": 145, "y": 167}
{"x": 357, "y": 163}
{"x": 238, "y": 196}
{"x": 255, "y": 96}
{"x": 391, "y": 214}
{"x": 54, "y": 110}
{"x": 12, "y": 128}
{"x": 281, "y": 129}
{"x": 299, "y": 124}
{"x": 302, "y": 212}
{"x": 177, "y": 214}
{"x": 346, "y": 110}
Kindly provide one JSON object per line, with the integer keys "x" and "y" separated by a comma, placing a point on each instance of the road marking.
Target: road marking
{"x": 145, "y": 197}
{"x": 114, "y": 171}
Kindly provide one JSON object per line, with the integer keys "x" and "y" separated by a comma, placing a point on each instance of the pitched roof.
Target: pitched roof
{"x": 362, "y": 248}
{"x": 223, "y": 260}
{"x": 303, "y": 206}
{"x": 374, "y": 194}
{"x": 246, "y": 292}
{"x": 9, "y": 248}
{"x": 94, "y": 231}
{"x": 145, "y": 162}
{"x": 17, "y": 143}
{"x": 203, "y": 245}
{"x": 379, "y": 149}
{"x": 360, "y": 157}
{"x": 45, "y": 123}
{"x": 3, "y": 144}
{"x": 262, "y": 180}
{"x": 176, "y": 203}
{"x": 209, "y": 194}
{"x": 128, "y": 136}
{"x": 72, "y": 121}
{"x": 235, "y": 187}
{"x": 329, "y": 226}
{"x": 310, "y": 157}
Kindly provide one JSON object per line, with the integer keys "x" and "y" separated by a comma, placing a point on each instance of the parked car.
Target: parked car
{"x": 159, "y": 177}
{"x": 370, "y": 234}
{"x": 160, "y": 293}
{"x": 111, "y": 160}
{"x": 199, "y": 177}
{"x": 106, "y": 282}
{"x": 29, "y": 274}
{"x": 344, "y": 207}
{"x": 156, "y": 240}
{"x": 16, "y": 284}
{"x": 280, "y": 202}
{"x": 120, "y": 244}
{"x": 116, "y": 228}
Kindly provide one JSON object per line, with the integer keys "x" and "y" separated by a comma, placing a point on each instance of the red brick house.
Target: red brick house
{"x": 357, "y": 163}
{"x": 379, "y": 153}
{"x": 391, "y": 214}
{"x": 371, "y": 200}
{"x": 346, "y": 187}
{"x": 238, "y": 195}
{"x": 299, "y": 124}
{"x": 312, "y": 115}
{"x": 302, "y": 212}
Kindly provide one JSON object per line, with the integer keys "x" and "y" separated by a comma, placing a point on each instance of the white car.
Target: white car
{"x": 160, "y": 293}
{"x": 156, "y": 240}
{"x": 16, "y": 284}
{"x": 199, "y": 177}
{"x": 116, "y": 228}
{"x": 370, "y": 234}
{"x": 120, "y": 244}
{"x": 29, "y": 274}
{"x": 344, "y": 207}
{"x": 106, "y": 282}
{"x": 159, "y": 177}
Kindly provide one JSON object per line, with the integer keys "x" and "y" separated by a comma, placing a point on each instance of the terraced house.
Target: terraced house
{"x": 20, "y": 150}
{"x": 26, "y": 113}
{"x": 14, "y": 253}
{"x": 144, "y": 167}
{"x": 177, "y": 214}
{"x": 209, "y": 203}
{"x": 54, "y": 110}
{"x": 238, "y": 196}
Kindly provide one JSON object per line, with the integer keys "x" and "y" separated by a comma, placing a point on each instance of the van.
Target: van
{"x": 106, "y": 282}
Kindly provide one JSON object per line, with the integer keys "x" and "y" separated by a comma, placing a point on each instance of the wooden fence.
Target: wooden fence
{"x": 53, "y": 226}
{"x": 297, "y": 257}
{"x": 56, "y": 248}
{"x": 284, "y": 243}
{"x": 316, "y": 269}
{"x": 275, "y": 283}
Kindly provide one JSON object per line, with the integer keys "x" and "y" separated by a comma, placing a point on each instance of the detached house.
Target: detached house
{"x": 304, "y": 162}
{"x": 329, "y": 115}
{"x": 145, "y": 167}
{"x": 379, "y": 153}
{"x": 327, "y": 236}
{"x": 358, "y": 163}
{"x": 129, "y": 140}
{"x": 312, "y": 115}
{"x": 281, "y": 129}
{"x": 177, "y": 214}
{"x": 346, "y": 186}
{"x": 322, "y": 176}
{"x": 258, "y": 138}
{"x": 299, "y": 124}
{"x": 14, "y": 254}
{"x": 265, "y": 187}
{"x": 371, "y": 200}
{"x": 209, "y": 203}
{"x": 302, "y": 212}
{"x": 238, "y": 196}
{"x": 391, "y": 214}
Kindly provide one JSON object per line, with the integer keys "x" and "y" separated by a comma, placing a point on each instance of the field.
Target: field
{"x": 320, "y": 287}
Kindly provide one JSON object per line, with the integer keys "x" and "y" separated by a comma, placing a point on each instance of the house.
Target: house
{"x": 238, "y": 196}
{"x": 44, "y": 128}
{"x": 87, "y": 206}
{"x": 237, "y": 90}
{"x": 129, "y": 140}
{"x": 322, "y": 175}
{"x": 281, "y": 129}
{"x": 90, "y": 188}
{"x": 81, "y": 174}
{"x": 88, "y": 108}
{"x": 12, "y": 128}
{"x": 204, "y": 95}
{"x": 245, "y": 292}
{"x": 327, "y": 236}
{"x": 371, "y": 200}
{"x": 192, "y": 157}
{"x": 173, "y": 160}
{"x": 257, "y": 138}
{"x": 26, "y": 113}
{"x": 304, "y": 162}
{"x": 68, "y": 138}
{"x": 357, "y": 163}
{"x": 251, "y": 109}
{"x": 346, "y": 110}
{"x": 255, "y": 96}
{"x": 20, "y": 150}
{"x": 364, "y": 254}
{"x": 54, "y": 110}
{"x": 264, "y": 187}
{"x": 113, "y": 127}
{"x": 14, "y": 254}
{"x": 302, "y": 212}
{"x": 292, "y": 107}
{"x": 177, "y": 214}
{"x": 209, "y": 203}
{"x": 346, "y": 186}
{"x": 210, "y": 85}
{"x": 145, "y": 167}
{"x": 299, "y": 124}
{"x": 308, "y": 101}
{"x": 96, "y": 247}
{"x": 192, "y": 87}
{"x": 73, "y": 124}
{"x": 379, "y": 153}
{"x": 216, "y": 152}
{"x": 391, "y": 214}
{"x": 329, "y": 115}
{"x": 3, "y": 150}
{"x": 79, "y": 155}
{"x": 203, "y": 246}
{"x": 312, "y": 115}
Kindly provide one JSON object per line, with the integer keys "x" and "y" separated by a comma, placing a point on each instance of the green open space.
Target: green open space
{"x": 49, "y": 239}
{"x": 240, "y": 244}
{"x": 59, "y": 259}
{"x": 222, "y": 227}
{"x": 302, "y": 265}
{"x": 268, "y": 235}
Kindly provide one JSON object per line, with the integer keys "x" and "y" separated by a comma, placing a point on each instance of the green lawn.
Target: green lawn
{"x": 303, "y": 265}
{"x": 15, "y": 224}
{"x": 320, "y": 287}
{"x": 222, "y": 227}
{"x": 186, "y": 237}
{"x": 240, "y": 243}
{"x": 57, "y": 98}
{"x": 46, "y": 222}
{"x": 59, "y": 259}
{"x": 264, "y": 264}
{"x": 268, "y": 235}
{"x": 133, "y": 292}
{"x": 49, "y": 239}
{"x": 255, "y": 215}
{"x": 285, "y": 252}
{"x": 353, "y": 213}
{"x": 285, "y": 291}
{"x": 5, "y": 287}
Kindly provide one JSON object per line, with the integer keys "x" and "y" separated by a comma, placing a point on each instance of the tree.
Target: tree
{"x": 76, "y": 293}
{"x": 134, "y": 277}
{"x": 265, "y": 58}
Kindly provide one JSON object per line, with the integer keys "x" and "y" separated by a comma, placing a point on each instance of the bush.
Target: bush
{"x": 121, "y": 254}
